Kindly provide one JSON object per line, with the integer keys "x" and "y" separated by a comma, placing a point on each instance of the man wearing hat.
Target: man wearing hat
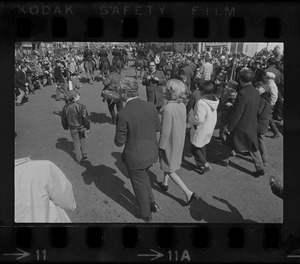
{"x": 137, "y": 125}
{"x": 272, "y": 88}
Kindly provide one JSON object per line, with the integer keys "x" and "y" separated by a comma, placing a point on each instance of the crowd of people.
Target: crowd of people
{"x": 188, "y": 94}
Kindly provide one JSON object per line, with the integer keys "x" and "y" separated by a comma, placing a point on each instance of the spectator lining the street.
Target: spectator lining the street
{"x": 21, "y": 83}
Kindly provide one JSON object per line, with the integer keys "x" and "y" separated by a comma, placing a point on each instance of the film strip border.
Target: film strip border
{"x": 204, "y": 243}
{"x": 164, "y": 22}
{"x": 153, "y": 21}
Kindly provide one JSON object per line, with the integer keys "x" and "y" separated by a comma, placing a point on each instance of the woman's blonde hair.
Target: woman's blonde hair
{"x": 177, "y": 89}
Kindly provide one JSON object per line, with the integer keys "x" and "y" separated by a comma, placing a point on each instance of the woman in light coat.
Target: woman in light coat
{"x": 203, "y": 121}
{"x": 172, "y": 137}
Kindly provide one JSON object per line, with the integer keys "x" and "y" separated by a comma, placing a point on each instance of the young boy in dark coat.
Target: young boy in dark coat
{"x": 263, "y": 118}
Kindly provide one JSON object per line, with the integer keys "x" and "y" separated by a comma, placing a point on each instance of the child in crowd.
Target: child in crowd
{"x": 75, "y": 117}
{"x": 203, "y": 121}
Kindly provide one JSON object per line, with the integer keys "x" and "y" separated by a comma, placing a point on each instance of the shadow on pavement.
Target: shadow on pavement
{"x": 153, "y": 179}
{"x": 99, "y": 118}
{"x": 98, "y": 78}
{"x": 84, "y": 80}
{"x": 67, "y": 146}
{"x": 201, "y": 210}
{"x": 120, "y": 165}
{"x": 243, "y": 157}
{"x": 57, "y": 113}
{"x": 240, "y": 168}
{"x": 112, "y": 186}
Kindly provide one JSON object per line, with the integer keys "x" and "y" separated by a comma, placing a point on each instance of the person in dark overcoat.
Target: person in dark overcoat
{"x": 137, "y": 126}
{"x": 242, "y": 124}
{"x": 263, "y": 119}
{"x": 154, "y": 81}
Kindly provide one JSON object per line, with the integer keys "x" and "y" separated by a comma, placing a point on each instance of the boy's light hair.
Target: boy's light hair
{"x": 177, "y": 89}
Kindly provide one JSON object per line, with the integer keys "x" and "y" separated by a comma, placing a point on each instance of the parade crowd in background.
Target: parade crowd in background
{"x": 194, "y": 93}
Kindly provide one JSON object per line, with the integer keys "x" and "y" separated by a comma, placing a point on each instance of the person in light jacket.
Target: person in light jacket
{"x": 42, "y": 192}
{"x": 203, "y": 121}
{"x": 172, "y": 137}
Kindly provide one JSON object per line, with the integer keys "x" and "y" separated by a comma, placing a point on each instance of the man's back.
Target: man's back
{"x": 137, "y": 125}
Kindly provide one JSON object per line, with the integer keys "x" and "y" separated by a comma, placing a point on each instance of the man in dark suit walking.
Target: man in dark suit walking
{"x": 137, "y": 125}
{"x": 242, "y": 124}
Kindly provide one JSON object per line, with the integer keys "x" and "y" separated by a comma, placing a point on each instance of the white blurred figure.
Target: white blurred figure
{"x": 42, "y": 192}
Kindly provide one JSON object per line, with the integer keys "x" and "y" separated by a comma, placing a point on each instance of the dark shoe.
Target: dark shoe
{"x": 147, "y": 219}
{"x": 192, "y": 199}
{"x": 258, "y": 173}
{"x": 203, "y": 169}
{"x": 278, "y": 118}
{"x": 277, "y": 135}
{"x": 18, "y": 104}
{"x": 84, "y": 157}
{"x": 200, "y": 169}
{"x": 154, "y": 208}
{"x": 224, "y": 163}
{"x": 276, "y": 187}
{"x": 163, "y": 187}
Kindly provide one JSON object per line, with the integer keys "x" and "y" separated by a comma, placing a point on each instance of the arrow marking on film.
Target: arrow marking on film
{"x": 156, "y": 255}
{"x": 22, "y": 254}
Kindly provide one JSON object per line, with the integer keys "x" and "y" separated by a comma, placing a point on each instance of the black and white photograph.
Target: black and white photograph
{"x": 149, "y": 132}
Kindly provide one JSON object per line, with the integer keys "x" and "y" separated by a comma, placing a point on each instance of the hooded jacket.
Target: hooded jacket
{"x": 203, "y": 120}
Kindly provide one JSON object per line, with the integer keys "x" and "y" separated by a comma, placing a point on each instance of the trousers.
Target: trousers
{"x": 142, "y": 189}
{"x": 262, "y": 148}
{"x": 199, "y": 155}
{"x": 272, "y": 124}
{"x": 255, "y": 155}
{"x": 20, "y": 96}
{"x": 79, "y": 142}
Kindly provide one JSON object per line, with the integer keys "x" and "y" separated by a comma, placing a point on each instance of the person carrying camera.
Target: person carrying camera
{"x": 154, "y": 80}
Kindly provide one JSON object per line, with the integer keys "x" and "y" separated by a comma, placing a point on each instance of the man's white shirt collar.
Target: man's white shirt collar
{"x": 130, "y": 99}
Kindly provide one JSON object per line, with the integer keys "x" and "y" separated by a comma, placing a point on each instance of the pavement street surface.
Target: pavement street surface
{"x": 102, "y": 187}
